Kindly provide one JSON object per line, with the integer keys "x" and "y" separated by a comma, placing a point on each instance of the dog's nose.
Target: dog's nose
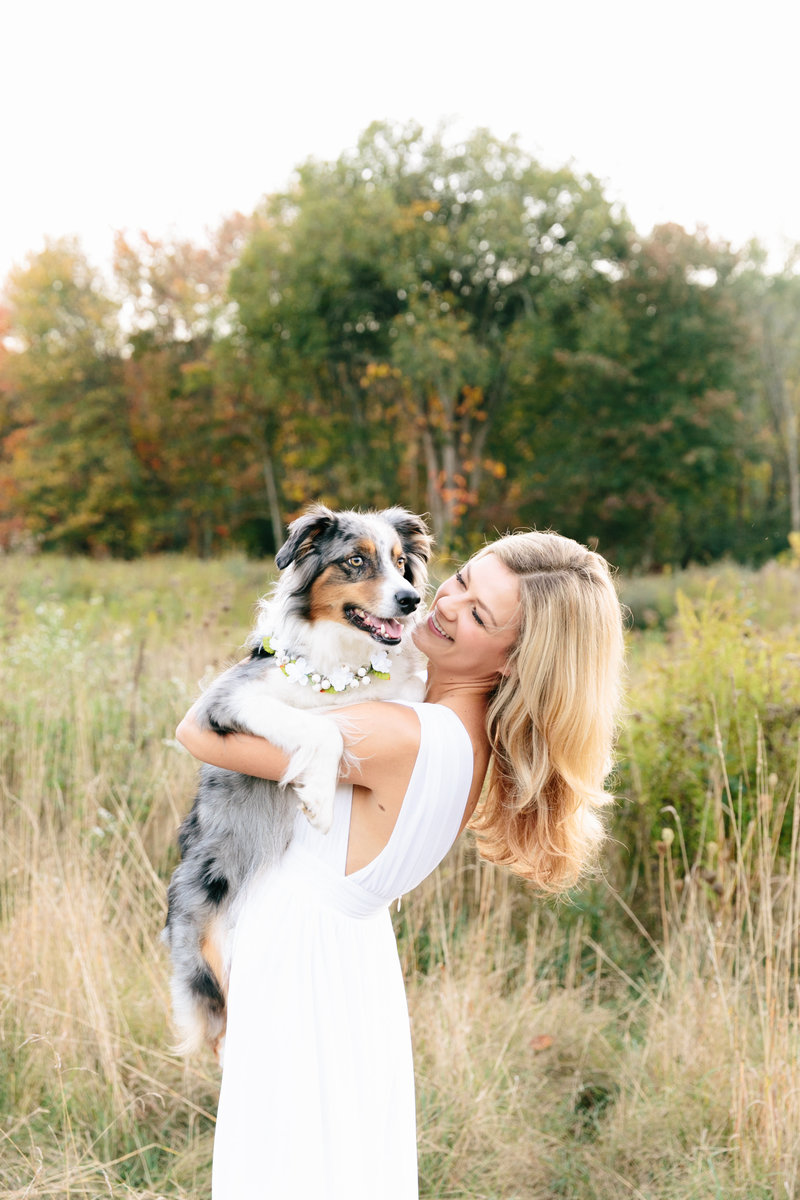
{"x": 407, "y": 600}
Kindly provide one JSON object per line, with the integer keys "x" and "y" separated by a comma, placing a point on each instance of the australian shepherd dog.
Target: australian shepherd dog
{"x": 330, "y": 633}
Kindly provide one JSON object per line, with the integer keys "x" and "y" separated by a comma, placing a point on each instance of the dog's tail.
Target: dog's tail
{"x": 199, "y": 1011}
{"x": 199, "y": 986}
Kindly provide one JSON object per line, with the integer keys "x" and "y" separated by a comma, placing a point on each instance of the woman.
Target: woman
{"x": 524, "y": 649}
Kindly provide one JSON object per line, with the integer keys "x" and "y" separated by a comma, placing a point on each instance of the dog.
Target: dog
{"x": 331, "y": 633}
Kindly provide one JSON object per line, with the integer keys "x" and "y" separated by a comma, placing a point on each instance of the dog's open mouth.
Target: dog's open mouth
{"x": 382, "y": 629}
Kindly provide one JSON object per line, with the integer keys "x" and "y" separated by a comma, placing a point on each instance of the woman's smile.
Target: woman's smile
{"x": 436, "y": 627}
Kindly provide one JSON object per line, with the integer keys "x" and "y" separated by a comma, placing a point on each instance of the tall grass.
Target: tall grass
{"x": 631, "y": 1041}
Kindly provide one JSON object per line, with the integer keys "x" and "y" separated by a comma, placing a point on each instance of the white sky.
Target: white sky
{"x": 166, "y": 115}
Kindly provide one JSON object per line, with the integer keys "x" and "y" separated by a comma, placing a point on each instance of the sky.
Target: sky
{"x": 168, "y": 115}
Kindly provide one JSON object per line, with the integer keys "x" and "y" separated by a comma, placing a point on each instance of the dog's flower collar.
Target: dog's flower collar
{"x": 299, "y": 670}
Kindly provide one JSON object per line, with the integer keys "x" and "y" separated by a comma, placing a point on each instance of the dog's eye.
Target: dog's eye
{"x": 401, "y": 562}
{"x": 355, "y": 561}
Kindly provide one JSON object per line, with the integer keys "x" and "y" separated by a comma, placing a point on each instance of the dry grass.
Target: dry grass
{"x": 580, "y": 1050}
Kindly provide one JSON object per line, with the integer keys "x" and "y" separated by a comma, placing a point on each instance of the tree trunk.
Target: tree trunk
{"x": 272, "y": 500}
{"x": 785, "y": 406}
{"x": 793, "y": 455}
{"x": 478, "y": 443}
{"x": 435, "y": 505}
{"x": 495, "y": 398}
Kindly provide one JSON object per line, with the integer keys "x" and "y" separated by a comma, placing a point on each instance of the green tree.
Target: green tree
{"x": 427, "y": 260}
{"x": 645, "y": 424}
{"x": 773, "y": 306}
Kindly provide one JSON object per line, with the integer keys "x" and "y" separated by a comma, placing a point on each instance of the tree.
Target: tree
{"x": 183, "y": 411}
{"x": 774, "y": 308}
{"x": 424, "y": 260}
{"x": 68, "y": 459}
{"x": 12, "y": 520}
{"x": 176, "y": 291}
{"x": 647, "y": 421}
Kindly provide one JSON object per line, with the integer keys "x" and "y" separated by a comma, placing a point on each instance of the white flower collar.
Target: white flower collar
{"x": 299, "y": 670}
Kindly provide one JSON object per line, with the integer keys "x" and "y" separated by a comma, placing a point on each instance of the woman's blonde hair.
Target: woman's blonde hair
{"x": 552, "y": 718}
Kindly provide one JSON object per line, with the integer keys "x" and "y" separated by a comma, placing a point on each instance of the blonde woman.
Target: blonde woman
{"x": 524, "y": 647}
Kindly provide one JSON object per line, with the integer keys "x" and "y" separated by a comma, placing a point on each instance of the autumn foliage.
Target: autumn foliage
{"x": 455, "y": 328}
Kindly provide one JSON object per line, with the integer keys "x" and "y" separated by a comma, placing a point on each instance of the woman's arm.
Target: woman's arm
{"x": 242, "y": 752}
{"x": 381, "y": 742}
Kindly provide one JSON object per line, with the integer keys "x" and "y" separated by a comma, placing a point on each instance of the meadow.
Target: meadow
{"x": 640, "y": 1038}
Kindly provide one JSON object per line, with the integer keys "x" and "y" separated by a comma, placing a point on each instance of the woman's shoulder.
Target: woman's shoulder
{"x": 383, "y": 735}
{"x": 400, "y": 716}
{"x": 380, "y": 737}
{"x": 398, "y": 726}
{"x": 441, "y": 717}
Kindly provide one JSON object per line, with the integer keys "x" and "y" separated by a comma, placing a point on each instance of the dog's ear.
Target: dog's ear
{"x": 304, "y": 533}
{"x": 417, "y": 543}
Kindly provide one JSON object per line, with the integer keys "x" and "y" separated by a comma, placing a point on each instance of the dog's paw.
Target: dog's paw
{"x": 315, "y": 801}
{"x": 314, "y": 774}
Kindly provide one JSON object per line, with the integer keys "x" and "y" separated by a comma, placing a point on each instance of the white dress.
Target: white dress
{"x": 317, "y": 1099}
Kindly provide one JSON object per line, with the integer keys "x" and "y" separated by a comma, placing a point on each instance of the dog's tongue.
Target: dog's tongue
{"x": 384, "y": 626}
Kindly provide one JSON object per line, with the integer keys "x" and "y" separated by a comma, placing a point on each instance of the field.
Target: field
{"x": 638, "y": 1039}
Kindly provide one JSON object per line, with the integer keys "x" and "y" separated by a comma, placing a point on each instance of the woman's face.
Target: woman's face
{"x": 473, "y": 621}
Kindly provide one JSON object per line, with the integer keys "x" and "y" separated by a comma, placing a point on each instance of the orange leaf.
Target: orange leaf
{"x": 542, "y": 1041}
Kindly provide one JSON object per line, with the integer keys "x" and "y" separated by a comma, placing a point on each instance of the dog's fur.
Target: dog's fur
{"x": 349, "y": 580}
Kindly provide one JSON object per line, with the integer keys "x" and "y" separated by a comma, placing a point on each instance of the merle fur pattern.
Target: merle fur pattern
{"x": 239, "y": 824}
